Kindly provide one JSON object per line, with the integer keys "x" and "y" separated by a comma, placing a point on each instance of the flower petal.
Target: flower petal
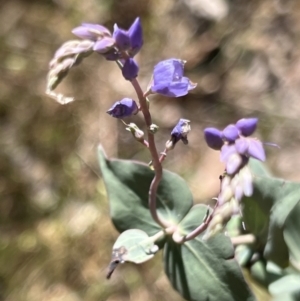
{"x": 241, "y": 146}
{"x": 256, "y": 149}
{"x": 125, "y": 107}
{"x": 135, "y": 33}
{"x": 163, "y": 72}
{"x": 104, "y": 45}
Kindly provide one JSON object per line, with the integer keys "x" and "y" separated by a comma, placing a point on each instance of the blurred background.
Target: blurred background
{"x": 55, "y": 231}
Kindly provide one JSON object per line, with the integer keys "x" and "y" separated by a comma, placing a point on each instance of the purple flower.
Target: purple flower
{"x": 213, "y": 138}
{"x": 123, "y": 108}
{"x": 90, "y": 31}
{"x": 247, "y": 126}
{"x": 122, "y": 38}
{"x": 230, "y": 133}
{"x": 130, "y": 69}
{"x": 179, "y": 132}
{"x": 168, "y": 79}
{"x": 130, "y": 40}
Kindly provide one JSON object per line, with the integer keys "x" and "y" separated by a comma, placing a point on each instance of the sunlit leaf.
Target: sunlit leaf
{"x": 127, "y": 184}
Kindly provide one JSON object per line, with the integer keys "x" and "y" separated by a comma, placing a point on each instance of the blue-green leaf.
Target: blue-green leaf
{"x": 127, "y": 185}
{"x": 136, "y": 246}
{"x": 291, "y": 234}
{"x": 286, "y": 288}
{"x": 204, "y": 270}
{"x": 133, "y": 245}
{"x": 266, "y": 211}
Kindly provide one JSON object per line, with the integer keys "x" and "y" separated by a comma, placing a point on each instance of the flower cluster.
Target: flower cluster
{"x": 122, "y": 45}
{"x": 235, "y": 145}
{"x": 236, "y": 148}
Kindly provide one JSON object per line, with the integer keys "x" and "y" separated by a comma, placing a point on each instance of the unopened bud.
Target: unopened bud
{"x": 136, "y": 132}
{"x": 153, "y": 128}
{"x": 67, "y": 56}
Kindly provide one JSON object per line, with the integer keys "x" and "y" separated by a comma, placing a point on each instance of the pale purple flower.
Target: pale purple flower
{"x": 130, "y": 69}
{"x": 168, "y": 79}
{"x": 242, "y": 145}
{"x": 227, "y": 151}
{"x": 91, "y": 31}
{"x": 104, "y": 45}
{"x": 256, "y": 149}
{"x": 123, "y": 108}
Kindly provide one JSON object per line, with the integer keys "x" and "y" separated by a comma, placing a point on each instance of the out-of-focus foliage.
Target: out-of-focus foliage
{"x": 55, "y": 232}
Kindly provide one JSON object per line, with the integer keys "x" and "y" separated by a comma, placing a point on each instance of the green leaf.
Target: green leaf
{"x": 262, "y": 274}
{"x": 266, "y": 211}
{"x": 291, "y": 235}
{"x": 204, "y": 270}
{"x": 286, "y": 288}
{"x": 127, "y": 185}
{"x": 133, "y": 245}
{"x": 136, "y": 246}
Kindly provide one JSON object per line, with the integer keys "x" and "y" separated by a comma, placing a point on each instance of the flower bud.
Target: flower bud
{"x": 130, "y": 69}
{"x": 233, "y": 164}
{"x": 246, "y": 181}
{"x": 230, "y": 133}
{"x": 136, "y": 132}
{"x": 213, "y": 138}
{"x": 123, "y": 108}
{"x": 90, "y": 31}
{"x": 122, "y": 38}
{"x": 247, "y": 126}
{"x": 153, "y": 128}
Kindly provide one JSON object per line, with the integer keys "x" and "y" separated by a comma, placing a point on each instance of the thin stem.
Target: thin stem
{"x": 243, "y": 239}
{"x": 154, "y": 155}
{"x": 157, "y": 235}
{"x": 178, "y": 238}
{"x": 163, "y": 155}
